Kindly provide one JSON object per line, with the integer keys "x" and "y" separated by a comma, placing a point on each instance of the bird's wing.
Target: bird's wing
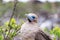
{"x": 40, "y": 35}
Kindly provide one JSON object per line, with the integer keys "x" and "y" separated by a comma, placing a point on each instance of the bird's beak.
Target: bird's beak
{"x": 29, "y": 17}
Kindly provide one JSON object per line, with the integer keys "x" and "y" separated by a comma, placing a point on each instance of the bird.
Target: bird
{"x": 30, "y": 30}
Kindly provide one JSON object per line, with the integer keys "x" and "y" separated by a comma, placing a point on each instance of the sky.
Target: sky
{"x": 39, "y": 0}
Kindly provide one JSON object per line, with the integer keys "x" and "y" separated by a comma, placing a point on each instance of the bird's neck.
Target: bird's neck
{"x": 33, "y": 22}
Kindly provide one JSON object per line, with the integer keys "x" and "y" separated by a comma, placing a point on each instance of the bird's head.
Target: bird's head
{"x": 32, "y": 17}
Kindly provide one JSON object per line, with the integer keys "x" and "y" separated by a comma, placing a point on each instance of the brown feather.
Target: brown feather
{"x": 42, "y": 36}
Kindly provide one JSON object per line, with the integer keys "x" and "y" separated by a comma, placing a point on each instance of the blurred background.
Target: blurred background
{"x": 50, "y": 8}
{"x": 47, "y": 10}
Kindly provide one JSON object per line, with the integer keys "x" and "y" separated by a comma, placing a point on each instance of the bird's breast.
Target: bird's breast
{"x": 29, "y": 31}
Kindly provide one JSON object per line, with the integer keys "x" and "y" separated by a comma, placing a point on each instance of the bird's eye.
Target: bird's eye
{"x": 33, "y": 17}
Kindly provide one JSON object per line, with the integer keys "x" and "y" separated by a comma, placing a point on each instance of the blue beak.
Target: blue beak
{"x": 31, "y": 18}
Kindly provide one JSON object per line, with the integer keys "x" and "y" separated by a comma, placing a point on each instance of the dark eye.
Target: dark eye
{"x": 33, "y": 17}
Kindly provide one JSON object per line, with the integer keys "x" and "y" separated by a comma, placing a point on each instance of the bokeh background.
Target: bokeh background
{"x": 12, "y": 15}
